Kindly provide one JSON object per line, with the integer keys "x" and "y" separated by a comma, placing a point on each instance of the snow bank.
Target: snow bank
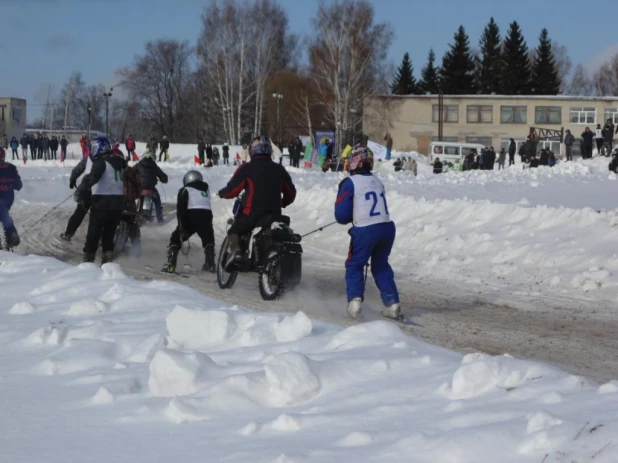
{"x": 134, "y": 359}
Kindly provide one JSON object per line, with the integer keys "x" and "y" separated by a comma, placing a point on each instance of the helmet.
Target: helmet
{"x": 360, "y": 160}
{"x": 192, "y": 176}
{"x": 99, "y": 146}
{"x": 260, "y": 146}
{"x": 147, "y": 155}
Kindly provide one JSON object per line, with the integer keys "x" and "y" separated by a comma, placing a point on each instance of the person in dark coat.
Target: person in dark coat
{"x": 165, "y": 146}
{"x": 437, "y": 166}
{"x": 587, "y": 142}
{"x": 24, "y": 142}
{"x": 292, "y": 148}
{"x": 201, "y": 149}
{"x": 105, "y": 183}
{"x": 150, "y": 174}
{"x": 534, "y": 162}
{"x": 41, "y": 144}
{"x": 14, "y": 148}
{"x": 53, "y": 147}
{"x": 83, "y": 199}
{"x": 544, "y": 158}
{"x": 226, "y": 154}
{"x": 512, "y": 151}
{"x": 34, "y": 146}
{"x": 608, "y": 137}
{"x": 569, "y": 139}
{"x": 490, "y": 158}
{"x": 63, "y": 147}
{"x": 9, "y": 183}
{"x": 209, "y": 154}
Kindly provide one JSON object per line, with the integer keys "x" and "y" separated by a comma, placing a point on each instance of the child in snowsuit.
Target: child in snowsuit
{"x": 194, "y": 216}
{"x": 362, "y": 201}
{"x": 9, "y": 183}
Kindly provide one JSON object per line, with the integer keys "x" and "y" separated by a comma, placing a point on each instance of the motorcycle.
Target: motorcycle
{"x": 128, "y": 228}
{"x": 272, "y": 250}
{"x": 146, "y": 204}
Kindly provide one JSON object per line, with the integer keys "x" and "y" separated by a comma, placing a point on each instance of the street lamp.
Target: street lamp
{"x": 278, "y": 97}
{"x": 107, "y": 96}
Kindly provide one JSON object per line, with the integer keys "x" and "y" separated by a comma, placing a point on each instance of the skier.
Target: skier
{"x": 268, "y": 188}
{"x": 9, "y": 182}
{"x": 83, "y": 198}
{"x": 150, "y": 173}
{"x": 361, "y": 201}
{"x": 194, "y": 216}
{"x": 105, "y": 182}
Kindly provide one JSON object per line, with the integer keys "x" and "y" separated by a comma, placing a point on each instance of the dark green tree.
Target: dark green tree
{"x": 430, "y": 81}
{"x": 545, "y": 79}
{"x": 404, "y": 82}
{"x": 457, "y": 73}
{"x": 515, "y": 63}
{"x": 489, "y": 78}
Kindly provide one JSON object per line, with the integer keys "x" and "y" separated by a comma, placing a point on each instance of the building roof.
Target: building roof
{"x": 505, "y": 97}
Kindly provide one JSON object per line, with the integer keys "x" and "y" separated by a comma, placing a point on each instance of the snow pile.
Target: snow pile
{"x": 131, "y": 360}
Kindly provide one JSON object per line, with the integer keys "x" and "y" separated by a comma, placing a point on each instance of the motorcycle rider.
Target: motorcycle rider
{"x": 150, "y": 173}
{"x": 9, "y": 183}
{"x": 268, "y": 188}
{"x": 83, "y": 199}
{"x": 105, "y": 182}
{"x": 361, "y": 200}
{"x": 194, "y": 216}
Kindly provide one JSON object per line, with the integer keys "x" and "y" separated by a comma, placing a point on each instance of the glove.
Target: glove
{"x": 72, "y": 184}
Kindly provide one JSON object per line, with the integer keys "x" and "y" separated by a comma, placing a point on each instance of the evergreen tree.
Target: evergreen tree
{"x": 515, "y": 63}
{"x": 404, "y": 82}
{"x": 457, "y": 74}
{"x": 430, "y": 82}
{"x": 545, "y": 79}
{"x": 491, "y": 60}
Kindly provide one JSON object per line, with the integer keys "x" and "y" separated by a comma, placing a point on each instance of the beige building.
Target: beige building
{"x": 12, "y": 117}
{"x": 490, "y": 120}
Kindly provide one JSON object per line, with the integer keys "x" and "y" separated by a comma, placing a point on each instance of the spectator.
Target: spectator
{"x": 608, "y": 137}
{"x": 33, "y": 146}
{"x": 209, "y": 154}
{"x": 14, "y": 147}
{"x": 512, "y": 151}
{"x": 389, "y": 145}
{"x": 481, "y": 158}
{"x": 598, "y": 136}
{"x": 501, "y": 158}
{"x": 226, "y": 154}
{"x": 5, "y": 142}
{"x": 24, "y": 141}
{"x": 398, "y": 165}
{"x": 544, "y": 158}
{"x": 152, "y": 146}
{"x": 437, "y": 166}
{"x": 201, "y": 148}
{"x": 46, "y": 151}
{"x": 165, "y": 146}
{"x": 523, "y": 150}
{"x": 534, "y": 143}
{"x": 490, "y": 160}
{"x": 292, "y": 147}
{"x": 552, "y": 159}
{"x": 53, "y": 147}
{"x": 413, "y": 167}
{"x": 63, "y": 148}
{"x": 587, "y": 140}
{"x": 569, "y": 139}
{"x": 41, "y": 145}
{"x": 534, "y": 162}
{"x": 130, "y": 145}
{"x": 329, "y": 149}
{"x": 83, "y": 142}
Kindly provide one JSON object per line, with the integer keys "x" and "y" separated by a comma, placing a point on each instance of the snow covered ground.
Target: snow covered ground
{"x": 96, "y": 365}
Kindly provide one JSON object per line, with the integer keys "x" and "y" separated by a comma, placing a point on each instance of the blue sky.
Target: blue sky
{"x": 44, "y": 41}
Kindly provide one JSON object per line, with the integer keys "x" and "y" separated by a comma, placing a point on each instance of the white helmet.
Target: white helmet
{"x": 192, "y": 176}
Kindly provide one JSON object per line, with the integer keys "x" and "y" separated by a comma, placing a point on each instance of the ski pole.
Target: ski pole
{"x": 50, "y": 211}
{"x": 319, "y": 229}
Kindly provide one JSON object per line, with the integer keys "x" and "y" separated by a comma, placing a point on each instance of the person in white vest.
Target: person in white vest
{"x": 361, "y": 201}
{"x": 194, "y": 214}
{"x": 83, "y": 205}
{"x": 105, "y": 182}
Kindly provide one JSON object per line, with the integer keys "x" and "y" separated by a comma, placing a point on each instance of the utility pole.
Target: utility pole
{"x": 107, "y": 96}
{"x": 89, "y": 109}
{"x": 46, "y": 109}
{"x": 440, "y": 114}
{"x": 278, "y": 97}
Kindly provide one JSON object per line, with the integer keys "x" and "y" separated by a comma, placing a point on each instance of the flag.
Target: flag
{"x": 25, "y": 159}
{"x": 196, "y": 159}
{"x": 135, "y": 157}
{"x": 62, "y": 156}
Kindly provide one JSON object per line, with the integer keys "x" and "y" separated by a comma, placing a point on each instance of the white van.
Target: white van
{"x": 451, "y": 151}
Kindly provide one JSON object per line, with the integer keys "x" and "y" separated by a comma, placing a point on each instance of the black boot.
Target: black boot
{"x": 89, "y": 257}
{"x": 172, "y": 258}
{"x": 209, "y": 263}
{"x": 107, "y": 257}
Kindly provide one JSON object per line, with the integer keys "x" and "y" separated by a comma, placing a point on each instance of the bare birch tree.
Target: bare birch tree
{"x": 581, "y": 83}
{"x": 347, "y": 58}
{"x": 605, "y": 80}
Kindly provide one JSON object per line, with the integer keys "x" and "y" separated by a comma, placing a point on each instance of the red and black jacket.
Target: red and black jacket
{"x": 268, "y": 187}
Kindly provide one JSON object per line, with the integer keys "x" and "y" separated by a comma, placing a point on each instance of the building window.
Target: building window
{"x": 580, "y": 115}
{"x": 449, "y": 139}
{"x": 485, "y": 141}
{"x": 513, "y": 115}
{"x": 548, "y": 115}
{"x": 2, "y": 112}
{"x": 612, "y": 114}
{"x": 480, "y": 114}
{"x": 553, "y": 146}
{"x": 506, "y": 142}
{"x": 450, "y": 113}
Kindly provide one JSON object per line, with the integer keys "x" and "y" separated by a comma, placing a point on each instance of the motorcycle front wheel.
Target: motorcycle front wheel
{"x": 225, "y": 279}
{"x": 270, "y": 281}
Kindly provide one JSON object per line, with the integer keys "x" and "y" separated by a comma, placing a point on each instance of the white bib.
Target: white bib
{"x": 198, "y": 199}
{"x": 369, "y": 201}
{"x": 88, "y": 165}
{"x": 110, "y": 183}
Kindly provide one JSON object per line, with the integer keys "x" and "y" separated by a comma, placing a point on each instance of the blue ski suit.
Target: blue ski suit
{"x": 9, "y": 182}
{"x": 362, "y": 201}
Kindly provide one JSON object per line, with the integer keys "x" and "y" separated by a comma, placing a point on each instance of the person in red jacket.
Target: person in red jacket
{"x": 130, "y": 145}
{"x": 84, "y": 144}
